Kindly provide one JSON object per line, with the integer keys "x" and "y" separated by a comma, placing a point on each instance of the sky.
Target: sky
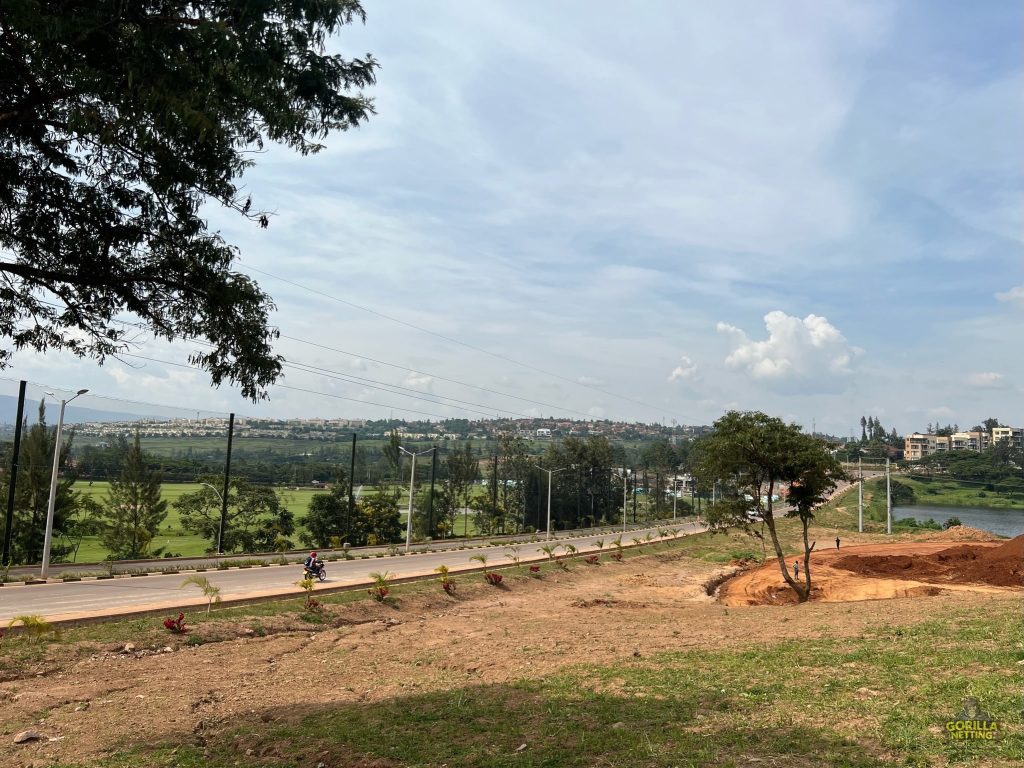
{"x": 655, "y": 211}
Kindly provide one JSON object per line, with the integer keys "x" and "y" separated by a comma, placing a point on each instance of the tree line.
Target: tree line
{"x": 586, "y": 490}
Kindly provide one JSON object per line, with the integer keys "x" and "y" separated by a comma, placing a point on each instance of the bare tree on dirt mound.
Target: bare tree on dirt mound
{"x": 756, "y": 458}
{"x": 119, "y": 122}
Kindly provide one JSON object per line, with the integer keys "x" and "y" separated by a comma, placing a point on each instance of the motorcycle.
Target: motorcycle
{"x": 319, "y": 572}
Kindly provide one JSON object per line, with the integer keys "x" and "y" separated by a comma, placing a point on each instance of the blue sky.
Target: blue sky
{"x": 814, "y": 209}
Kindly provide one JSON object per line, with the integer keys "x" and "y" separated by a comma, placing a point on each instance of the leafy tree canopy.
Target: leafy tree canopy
{"x": 118, "y": 121}
{"x": 755, "y": 456}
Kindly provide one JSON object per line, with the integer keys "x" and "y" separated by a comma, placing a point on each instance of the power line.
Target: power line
{"x": 427, "y": 397}
{"x": 451, "y": 340}
{"x": 300, "y": 389}
{"x": 435, "y": 376}
{"x": 118, "y": 399}
{"x": 389, "y": 387}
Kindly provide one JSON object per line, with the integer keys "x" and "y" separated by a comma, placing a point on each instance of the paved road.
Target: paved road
{"x": 110, "y": 597}
{"x": 188, "y": 563}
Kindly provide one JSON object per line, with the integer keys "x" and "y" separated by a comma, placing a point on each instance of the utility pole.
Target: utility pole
{"x": 634, "y": 473}
{"x": 550, "y": 473}
{"x": 888, "y": 498}
{"x": 625, "y": 495}
{"x": 51, "y": 505}
{"x": 430, "y": 502}
{"x": 351, "y": 488}
{"x": 412, "y": 480}
{"x": 860, "y": 495}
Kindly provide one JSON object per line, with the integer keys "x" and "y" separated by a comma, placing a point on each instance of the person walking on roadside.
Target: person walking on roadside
{"x": 837, "y": 542}
{"x": 796, "y": 569}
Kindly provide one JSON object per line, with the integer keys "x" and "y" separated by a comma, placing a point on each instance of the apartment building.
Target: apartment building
{"x": 917, "y": 446}
{"x": 1013, "y": 435}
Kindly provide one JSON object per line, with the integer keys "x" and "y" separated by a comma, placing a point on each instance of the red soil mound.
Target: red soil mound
{"x": 1001, "y": 566}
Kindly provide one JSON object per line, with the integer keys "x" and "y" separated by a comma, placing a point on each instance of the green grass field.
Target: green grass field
{"x": 951, "y": 493}
{"x": 176, "y": 540}
{"x": 171, "y": 536}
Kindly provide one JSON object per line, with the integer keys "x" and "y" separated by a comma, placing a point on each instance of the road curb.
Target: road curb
{"x": 154, "y": 609}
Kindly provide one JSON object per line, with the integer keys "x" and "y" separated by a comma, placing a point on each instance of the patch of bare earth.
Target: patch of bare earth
{"x": 94, "y": 700}
{"x": 899, "y": 569}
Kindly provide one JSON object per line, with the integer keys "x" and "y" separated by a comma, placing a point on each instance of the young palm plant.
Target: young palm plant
{"x": 491, "y": 577}
{"x": 210, "y": 591}
{"x": 447, "y": 583}
{"x": 514, "y": 555}
{"x": 380, "y": 590}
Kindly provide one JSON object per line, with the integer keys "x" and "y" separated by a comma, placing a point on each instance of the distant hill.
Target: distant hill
{"x": 72, "y": 414}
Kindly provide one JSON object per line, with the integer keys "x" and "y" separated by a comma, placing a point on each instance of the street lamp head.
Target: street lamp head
{"x": 81, "y": 392}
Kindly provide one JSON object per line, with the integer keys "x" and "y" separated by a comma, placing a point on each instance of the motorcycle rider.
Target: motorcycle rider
{"x": 313, "y": 564}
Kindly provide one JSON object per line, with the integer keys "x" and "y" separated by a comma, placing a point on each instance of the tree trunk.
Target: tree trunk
{"x": 803, "y": 591}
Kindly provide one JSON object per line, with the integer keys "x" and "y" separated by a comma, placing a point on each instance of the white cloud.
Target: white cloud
{"x": 1013, "y": 296}
{"x": 685, "y": 371}
{"x": 987, "y": 380}
{"x": 811, "y": 349}
{"x": 417, "y": 381}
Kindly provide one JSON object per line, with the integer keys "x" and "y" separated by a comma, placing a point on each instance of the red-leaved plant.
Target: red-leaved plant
{"x": 176, "y": 625}
{"x": 493, "y": 578}
{"x": 534, "y": 569}
{"x": 617, "y": 556}
{"x": 592, "y": 560}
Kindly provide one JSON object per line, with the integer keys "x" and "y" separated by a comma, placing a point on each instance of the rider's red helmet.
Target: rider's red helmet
{"x": 312, "y": 554}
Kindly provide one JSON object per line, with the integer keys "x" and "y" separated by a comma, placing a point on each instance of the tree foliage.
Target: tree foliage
{"x": 134, "y": 508}
{"x": 32, "y": 494}
{"x": 327, "y": 518}
{"x": 256, "y": 519}
{"x": 756, "y": 457}
{"x": 118, "y": 122}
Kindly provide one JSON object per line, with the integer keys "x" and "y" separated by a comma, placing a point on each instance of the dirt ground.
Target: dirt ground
{"x": 91, "y": 699}
{"x": 900, "y": 569}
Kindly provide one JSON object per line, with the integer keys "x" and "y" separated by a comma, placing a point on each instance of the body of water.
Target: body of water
{"x": 1005, "y": 522}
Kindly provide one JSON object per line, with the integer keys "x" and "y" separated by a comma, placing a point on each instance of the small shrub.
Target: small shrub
{"x": 493, "y": 578}
{"x": 534, "y": 569}
{"x": 617, "y": 555}
{"x": 33, "y": 625}
{"x": 176, "y": 626}
{"x": 193, "y": 641}
{"x": 592, "y": 560}
{"x": 953, "y": 522}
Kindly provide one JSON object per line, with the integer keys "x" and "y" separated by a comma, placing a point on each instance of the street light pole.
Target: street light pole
{"x": 888, "y": 498}
{"x": 220, "y": 524}
{"x": 52, "y": 503}
{"x": 550, "y": 473}
{"x": 412, "y": 479}
{"x": 625, "y": 496}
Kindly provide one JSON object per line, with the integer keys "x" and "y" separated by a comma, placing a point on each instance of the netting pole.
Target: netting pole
{"x": 227, "y": 481}
{"x": 12, "y": 485}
